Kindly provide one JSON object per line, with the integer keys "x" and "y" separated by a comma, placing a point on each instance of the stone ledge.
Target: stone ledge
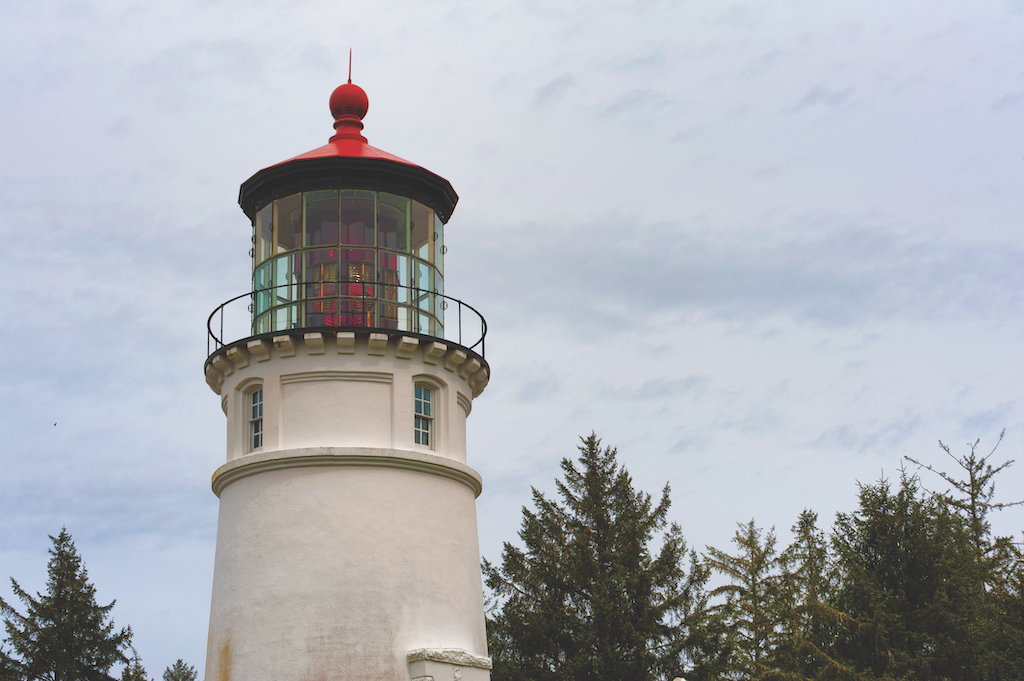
{"x": 367, "y": 457}
{"x": 453, "y": 656}
{"x": 470, "y": 366}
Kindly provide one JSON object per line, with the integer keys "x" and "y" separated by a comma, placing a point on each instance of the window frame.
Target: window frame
{"x": 429, "y": 419}
{"x": 254, "y": 426}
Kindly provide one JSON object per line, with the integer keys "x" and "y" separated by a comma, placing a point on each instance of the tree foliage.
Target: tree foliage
{"x": 64, "y": 634}
{"x": 911, "y": 585}
{"x": 134, "y": 671}
{"x": 585, "y": 599}
{"x": 751, "y": 599}
{"x": 179, "y": 671}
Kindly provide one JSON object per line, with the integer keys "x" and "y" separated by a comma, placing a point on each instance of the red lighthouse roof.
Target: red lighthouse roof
{"x": 348, "y": 106}
{"x": 347, "y": 161}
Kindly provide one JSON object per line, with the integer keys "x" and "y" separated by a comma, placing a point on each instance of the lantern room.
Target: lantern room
{"x": 348, "y": 236}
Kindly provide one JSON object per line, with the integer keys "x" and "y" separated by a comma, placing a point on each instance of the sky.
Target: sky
{"x": 765, "y": 249}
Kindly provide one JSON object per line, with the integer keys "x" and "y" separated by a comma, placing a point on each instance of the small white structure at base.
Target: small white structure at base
{"x": 442, "y": 664}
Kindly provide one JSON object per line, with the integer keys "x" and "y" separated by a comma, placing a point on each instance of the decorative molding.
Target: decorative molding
{"x": 363, "y": 457}
{"x": 469, "y": 367}
{"x": 405, "y": 346}
{"x": 453, "y": 359}
{"x": 346, "y": 342}
{"x": 433, "y": 352}
{"x": 377, "y": 344}
{"x": 348, "y": 376}
{"x": 285, "y": 346}
{"x": 259, "y": 349}
{"x": 314, "y": 343}
{"x": 464, "y": 402}
{"x": 239, "y": 356}
{"x": 214, "y": 378}
{"x": 225, "y": 365}
{"x": 453, "y": 656}
{"x": 231, "y": 358}
{"x": 479, "y": 380}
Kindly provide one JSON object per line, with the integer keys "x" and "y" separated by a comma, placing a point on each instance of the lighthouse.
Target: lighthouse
{"x": 347, "y": 544}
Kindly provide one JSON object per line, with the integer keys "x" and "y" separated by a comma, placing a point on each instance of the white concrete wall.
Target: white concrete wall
{"x": 341, "y": 544}
{"x": 316, "y": 395}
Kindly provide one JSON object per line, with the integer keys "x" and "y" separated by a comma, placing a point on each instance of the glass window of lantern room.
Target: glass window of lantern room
{"x": 439, "y": 301}
{"x": 287, "y": 223}
{"x": 422, "y": 229}
{"x": 358, "y": 217}
{"x": 439, "y": 244}
{"x": 321, "y": 218}
{"x": 321, "y": 287}
{"x": 263, "y": 234}
{"x": 424, "y": 417}
{"x": 393, "y": 222}
{"x": 358, "y": 307}
{"x": 393, "y": 276}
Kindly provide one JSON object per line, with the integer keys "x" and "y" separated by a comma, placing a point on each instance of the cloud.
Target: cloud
{"x": 825, "y": 96}
{"x": 1010, "y": 100}
{"x": 636, "y": 104}
{"x": 888, "y": 436}
{"x": 553, "y": 92}
{"x": 657, "y": 388}
{"x": 613, "y": 274}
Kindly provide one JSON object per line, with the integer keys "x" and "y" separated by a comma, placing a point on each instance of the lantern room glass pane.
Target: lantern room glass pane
{"x": 287, "y": 223}
{"x": 424, "y": 279}
{"x": 438, "y": 244}
{"x": 321, "y": 218}
{"x": 285, "y": 278}
{"x": 393, "y": 279}
{"x": 286, "y": 317}
{"x": 421, "y": 230}
{"x": 263, "y": 234}
{"x": 358, "y": 210}
{"x": 357, "y": 265}
{"x": 261, "y": 285}
{"x": 439, "y": 303}
{"x": 321, "y": 268}
{"x": 393, "y": 271}
{"x": 393, "y": 222}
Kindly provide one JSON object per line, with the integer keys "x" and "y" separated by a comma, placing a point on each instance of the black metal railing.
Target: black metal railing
{"x": 346, "y": 305}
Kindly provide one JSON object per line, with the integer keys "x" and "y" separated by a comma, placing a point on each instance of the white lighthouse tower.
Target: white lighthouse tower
{"x": 347, "y": 540}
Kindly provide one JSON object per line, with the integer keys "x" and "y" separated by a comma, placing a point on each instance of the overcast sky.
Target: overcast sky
{"x": 764, "y": 248}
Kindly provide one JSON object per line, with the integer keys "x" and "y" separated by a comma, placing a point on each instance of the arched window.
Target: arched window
{"x": 254, "y": 406}
{"x": 423, "y": 428}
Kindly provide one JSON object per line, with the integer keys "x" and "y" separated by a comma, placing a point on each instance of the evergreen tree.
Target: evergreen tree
{"x": 807, "y": 620}
{"x": 64, "y": 634}
{"x": 975, "y": 494}
{"x": 998, "y": 633}
{"x": 752, "y": 597}
{"x": 585, "y": 600}
{"x": 134, "y": 671}
{"x": 179, "y": 671}
{"x": 907, "y": 581}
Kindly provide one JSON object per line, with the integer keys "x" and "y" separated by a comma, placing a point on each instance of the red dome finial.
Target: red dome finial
{"x": 348, "y": 106}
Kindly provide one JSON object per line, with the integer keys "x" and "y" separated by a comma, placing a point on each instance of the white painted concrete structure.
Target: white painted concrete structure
{"x": 346, "y": 549}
